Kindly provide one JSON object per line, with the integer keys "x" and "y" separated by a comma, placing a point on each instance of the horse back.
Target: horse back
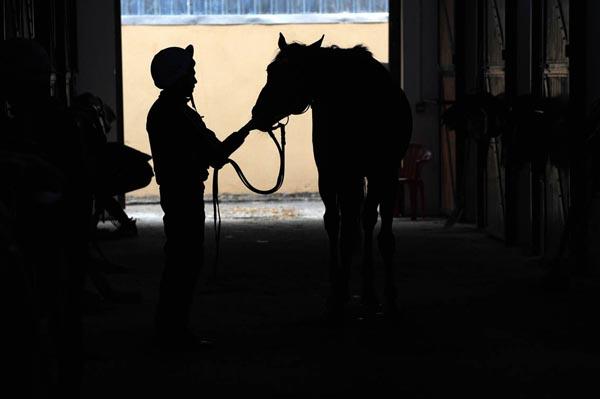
{"x": 364, "y": 124}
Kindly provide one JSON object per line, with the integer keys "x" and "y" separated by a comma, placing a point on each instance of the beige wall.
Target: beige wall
{"x": 231, "y": 63}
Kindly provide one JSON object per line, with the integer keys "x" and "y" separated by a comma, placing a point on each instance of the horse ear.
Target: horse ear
{"x": 282, "y": 43}
{"x": 318, "y": 43}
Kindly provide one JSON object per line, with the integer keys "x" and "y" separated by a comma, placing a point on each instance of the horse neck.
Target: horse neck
{"x": 328, "y": 74}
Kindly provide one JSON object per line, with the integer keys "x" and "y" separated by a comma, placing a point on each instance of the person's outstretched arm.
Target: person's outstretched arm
{"x": 230, "y": 144}
{"x": 236, "y": 139}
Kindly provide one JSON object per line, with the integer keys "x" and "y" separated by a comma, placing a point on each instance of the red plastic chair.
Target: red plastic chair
{"x": 410, "y": 174}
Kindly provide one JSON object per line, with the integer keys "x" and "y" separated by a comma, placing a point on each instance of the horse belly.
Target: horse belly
{"x": 362, "y": 136}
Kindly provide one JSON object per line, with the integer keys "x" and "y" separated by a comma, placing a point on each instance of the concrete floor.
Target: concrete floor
{"x": 475, "y": 321}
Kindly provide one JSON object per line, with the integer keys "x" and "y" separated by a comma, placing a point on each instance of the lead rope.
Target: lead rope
{"x": 246, "y": 182}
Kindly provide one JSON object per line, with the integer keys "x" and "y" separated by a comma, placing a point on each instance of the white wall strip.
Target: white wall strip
{"x": 256, "y": 19}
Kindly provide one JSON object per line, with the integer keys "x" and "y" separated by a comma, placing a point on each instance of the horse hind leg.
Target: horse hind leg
{"x": 332, "y": 226}
{"x": 387, "y": 248}
{"x": 350, "y": 201}
{"x": 369, "y": 220}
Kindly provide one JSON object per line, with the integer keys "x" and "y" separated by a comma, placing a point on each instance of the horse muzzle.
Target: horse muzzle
{"x": 265, "y": 122}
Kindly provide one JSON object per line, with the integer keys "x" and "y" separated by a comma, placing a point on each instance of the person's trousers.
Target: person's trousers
{"x": 184, "y": 252}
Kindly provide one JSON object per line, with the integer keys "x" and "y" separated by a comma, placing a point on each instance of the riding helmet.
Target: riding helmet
{"x": 171, "y": 64}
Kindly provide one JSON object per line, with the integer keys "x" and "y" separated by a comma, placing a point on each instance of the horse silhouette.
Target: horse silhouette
{"x": 362, "y": 126}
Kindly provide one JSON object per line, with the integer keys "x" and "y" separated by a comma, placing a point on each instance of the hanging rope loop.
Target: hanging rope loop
{"x": 246, "y": 182}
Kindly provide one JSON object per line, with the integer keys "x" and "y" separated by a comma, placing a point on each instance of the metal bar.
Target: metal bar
{"x": 547, "y": 86}
{"x": 52, "y": 49}
{"x": 4, "y": 19}
{"x": 449, "y": 27}
{"x": 31, "y": 19}
{"x": 498, "y": 23}
{"x": 545, "y": 218}
{"x": 15, "y": 23}
{"x": 120, "y": 133}
{"x": 496, "y": 148}
{"x": 456, "y": 205}
{"x": 23, "y": 19}
{"x": 421, "y": 23}
{"x": 67, "y": 53}
{"x": 563, "y": 23}
{"x": 511, "y": 194}
{"x": 459, "y": 61}
{"x": 562, "y": 194}
{"x": 545, "y": 35}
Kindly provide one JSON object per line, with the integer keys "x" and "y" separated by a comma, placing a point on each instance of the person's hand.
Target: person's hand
{"x": 249, "y": 126}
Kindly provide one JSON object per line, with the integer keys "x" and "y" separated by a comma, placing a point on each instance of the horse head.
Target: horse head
{"x": 289, "y": 79}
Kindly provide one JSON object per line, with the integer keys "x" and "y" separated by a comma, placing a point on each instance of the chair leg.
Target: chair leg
{"x": 399, "y": 200}
{"x": 422, "y": 195}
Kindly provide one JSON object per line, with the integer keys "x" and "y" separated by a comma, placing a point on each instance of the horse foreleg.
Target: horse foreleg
{"x": 387, "y": 247}
{"x": 331, "y": 219}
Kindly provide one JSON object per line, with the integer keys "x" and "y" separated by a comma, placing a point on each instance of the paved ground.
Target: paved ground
{"x": 474, "y": 323}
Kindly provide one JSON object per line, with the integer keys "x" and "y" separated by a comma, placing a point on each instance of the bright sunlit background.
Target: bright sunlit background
{"x": 234, "y": 41}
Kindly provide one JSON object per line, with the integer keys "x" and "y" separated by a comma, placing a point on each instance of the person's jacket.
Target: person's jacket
{"x": 182, "y": 146}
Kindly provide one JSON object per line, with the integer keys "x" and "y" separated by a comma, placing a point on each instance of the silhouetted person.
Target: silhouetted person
{"x": 183, "y": 148}
{"x": 53, "y": 201}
